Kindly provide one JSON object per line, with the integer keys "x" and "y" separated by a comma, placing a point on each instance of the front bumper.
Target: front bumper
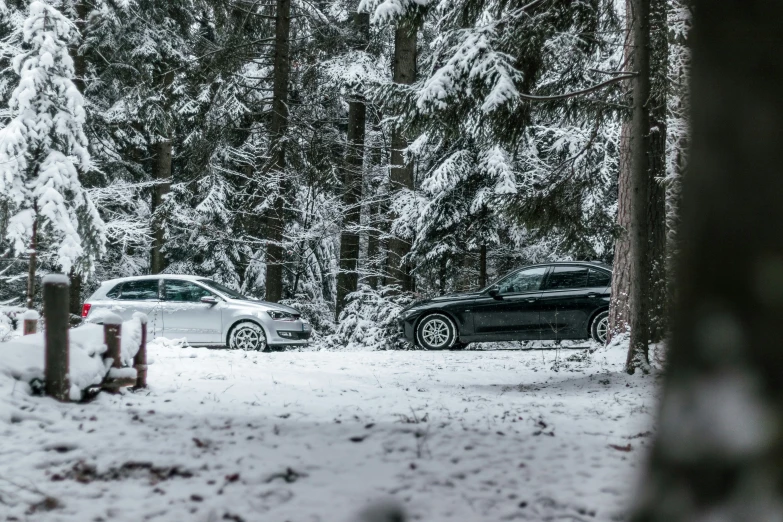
{"x": 288, "y": 333}
{"x": 405, "y": 327}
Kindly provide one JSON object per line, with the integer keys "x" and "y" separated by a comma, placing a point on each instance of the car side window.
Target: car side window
{"x": 183, "y": 291}
{"x": 600, "y": 278}
{"x": 567, "y": 277}
{"x": 523, "y": 281}
{"x": 114, "y": 293}
{"x": 143, "y": 290}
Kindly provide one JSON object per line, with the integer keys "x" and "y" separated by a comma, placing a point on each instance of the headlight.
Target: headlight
{"x": 407, "y": 313}
{"x": 281, "y": 316}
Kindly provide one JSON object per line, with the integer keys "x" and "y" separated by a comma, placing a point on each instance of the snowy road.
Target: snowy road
{"x": 318, "y": 436}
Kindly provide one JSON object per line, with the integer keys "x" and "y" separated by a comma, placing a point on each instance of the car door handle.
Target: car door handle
{"x": 592, "y": 294}
{"x": 532, "y": 299}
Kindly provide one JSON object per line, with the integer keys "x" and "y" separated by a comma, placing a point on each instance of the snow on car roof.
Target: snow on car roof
{"x": 155, "y": 276}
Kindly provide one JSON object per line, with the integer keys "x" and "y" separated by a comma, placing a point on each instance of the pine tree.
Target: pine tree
{"x": 43, "y": 148}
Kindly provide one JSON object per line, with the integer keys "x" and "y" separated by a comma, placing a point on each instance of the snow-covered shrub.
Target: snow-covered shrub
{"x": 23, "y": 359}
{"x": 370, "y": 319}
{"x": 317, "y": 312}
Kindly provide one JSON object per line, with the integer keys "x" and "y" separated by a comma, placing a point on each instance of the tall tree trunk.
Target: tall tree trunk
{"x": 619, "y": 307}
{"x": 163, "y": 185}
{"x": 405, "y": 40}
{"x": 678, "y": 129}
{"x": 32, "y": 263}
{"x": 348, "y": 278}
{"x": 719, "y": 450}
{"x": 640, "y": 189}
{"x": 659, "y": 57}
{"x": 80, "y": 72}
{"x": 373, "y": 243}
{"x": 278, "y": 129}
{"x": 483, "y": 266}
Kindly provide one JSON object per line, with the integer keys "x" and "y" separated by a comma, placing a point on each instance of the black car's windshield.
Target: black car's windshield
{"x": 233, "y": 294}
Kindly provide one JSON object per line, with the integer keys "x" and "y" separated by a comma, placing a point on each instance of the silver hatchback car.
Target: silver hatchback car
{"x": 200, "y": 310}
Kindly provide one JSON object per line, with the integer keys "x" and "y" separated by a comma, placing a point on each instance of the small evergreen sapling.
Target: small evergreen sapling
{"x": 43, "y": 148}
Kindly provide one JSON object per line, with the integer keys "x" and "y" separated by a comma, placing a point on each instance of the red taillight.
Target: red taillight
{"x": 85, "y": 309}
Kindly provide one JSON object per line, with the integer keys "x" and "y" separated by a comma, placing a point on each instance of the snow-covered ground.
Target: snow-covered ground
{"x": 320, "y": 435}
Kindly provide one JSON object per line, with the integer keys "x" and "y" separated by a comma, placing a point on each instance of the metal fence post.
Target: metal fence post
{"x": 56, "y": 296}
{"x": 30, "y": 322}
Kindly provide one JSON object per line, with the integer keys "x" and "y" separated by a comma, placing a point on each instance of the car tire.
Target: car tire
{"x": 247, "y": 336}
{"x": 436, "y": 332}
{"x": 599, "y": 328}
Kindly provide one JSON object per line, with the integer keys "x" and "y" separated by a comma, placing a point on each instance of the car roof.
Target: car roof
{"x": 597, "y": 264}
{"x": 183, "y": 277}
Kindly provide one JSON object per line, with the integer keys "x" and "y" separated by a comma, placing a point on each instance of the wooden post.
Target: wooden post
{"x": 56, "y": 298}
{"x": 112, "y": 334}
{"x": 140, "y": 359}
{"x": 30, "y": 322}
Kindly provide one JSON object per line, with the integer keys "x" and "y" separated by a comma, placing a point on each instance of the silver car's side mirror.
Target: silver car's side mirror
{"x": 209, "y": 299}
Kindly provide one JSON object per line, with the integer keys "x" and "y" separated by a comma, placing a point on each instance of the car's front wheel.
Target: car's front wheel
{"x": 600, "y": 328}
{"x": 436, "y": 332}
{"x": 247, "y": 336}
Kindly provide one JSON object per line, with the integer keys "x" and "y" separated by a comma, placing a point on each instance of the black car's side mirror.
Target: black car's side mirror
{"x": 209, "y": 299}
{"x": 494, "y": 293}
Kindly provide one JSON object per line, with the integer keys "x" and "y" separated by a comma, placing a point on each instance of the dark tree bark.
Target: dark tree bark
{"x": 619, "y": 307}
{"x": 483, "y": 266}
{"x": 373, "y": 243}
{"x": 405, "y": 40}
{"x": 163, "y": 185}
{"x": 80, "y": 70}
{"x": 75, "y": 299}
{"x": 659, "y": 55}
{"x": 279, "y": 126}
{"x": 32, "y": 263}
{"x": 719, "y": 450}
{"x": 640, "y": 189}
{"x": 348, "y": 278}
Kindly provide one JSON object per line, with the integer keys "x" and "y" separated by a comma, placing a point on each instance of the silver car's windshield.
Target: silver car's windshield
{"x": 233, "y": 294}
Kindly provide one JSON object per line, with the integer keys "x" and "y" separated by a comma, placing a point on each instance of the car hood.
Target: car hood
{"x": 457, "y": 296}
{"x": 263, "y": 305}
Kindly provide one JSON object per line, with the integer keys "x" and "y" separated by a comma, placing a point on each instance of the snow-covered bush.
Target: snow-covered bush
{"x": 316, "y": 311}
{"x": 23, "y": 358}
{"x": 370, "y": 319}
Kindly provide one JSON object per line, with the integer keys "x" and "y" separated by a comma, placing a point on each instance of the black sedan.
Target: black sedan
{"x": 553, "y": 301}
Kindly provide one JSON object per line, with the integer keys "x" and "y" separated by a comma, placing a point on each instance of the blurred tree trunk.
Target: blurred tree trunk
{"x": 640, "y": 188}
{"x": 278, "y": 129}
{"x": 405, "y": 41}
{"x": 719, "y": 450}
{"x": 348, "y": 277}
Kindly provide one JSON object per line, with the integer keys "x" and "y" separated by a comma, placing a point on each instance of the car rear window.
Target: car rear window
{"x": 139, "y": 290}
{"x": 563, "y": 277}
{"x": 600, "y": 278}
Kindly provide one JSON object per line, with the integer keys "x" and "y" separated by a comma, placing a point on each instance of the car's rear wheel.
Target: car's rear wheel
{"x": 436, "y": 332}
{"x": 599, "y": 330}
{"x": 247, "y": 336}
